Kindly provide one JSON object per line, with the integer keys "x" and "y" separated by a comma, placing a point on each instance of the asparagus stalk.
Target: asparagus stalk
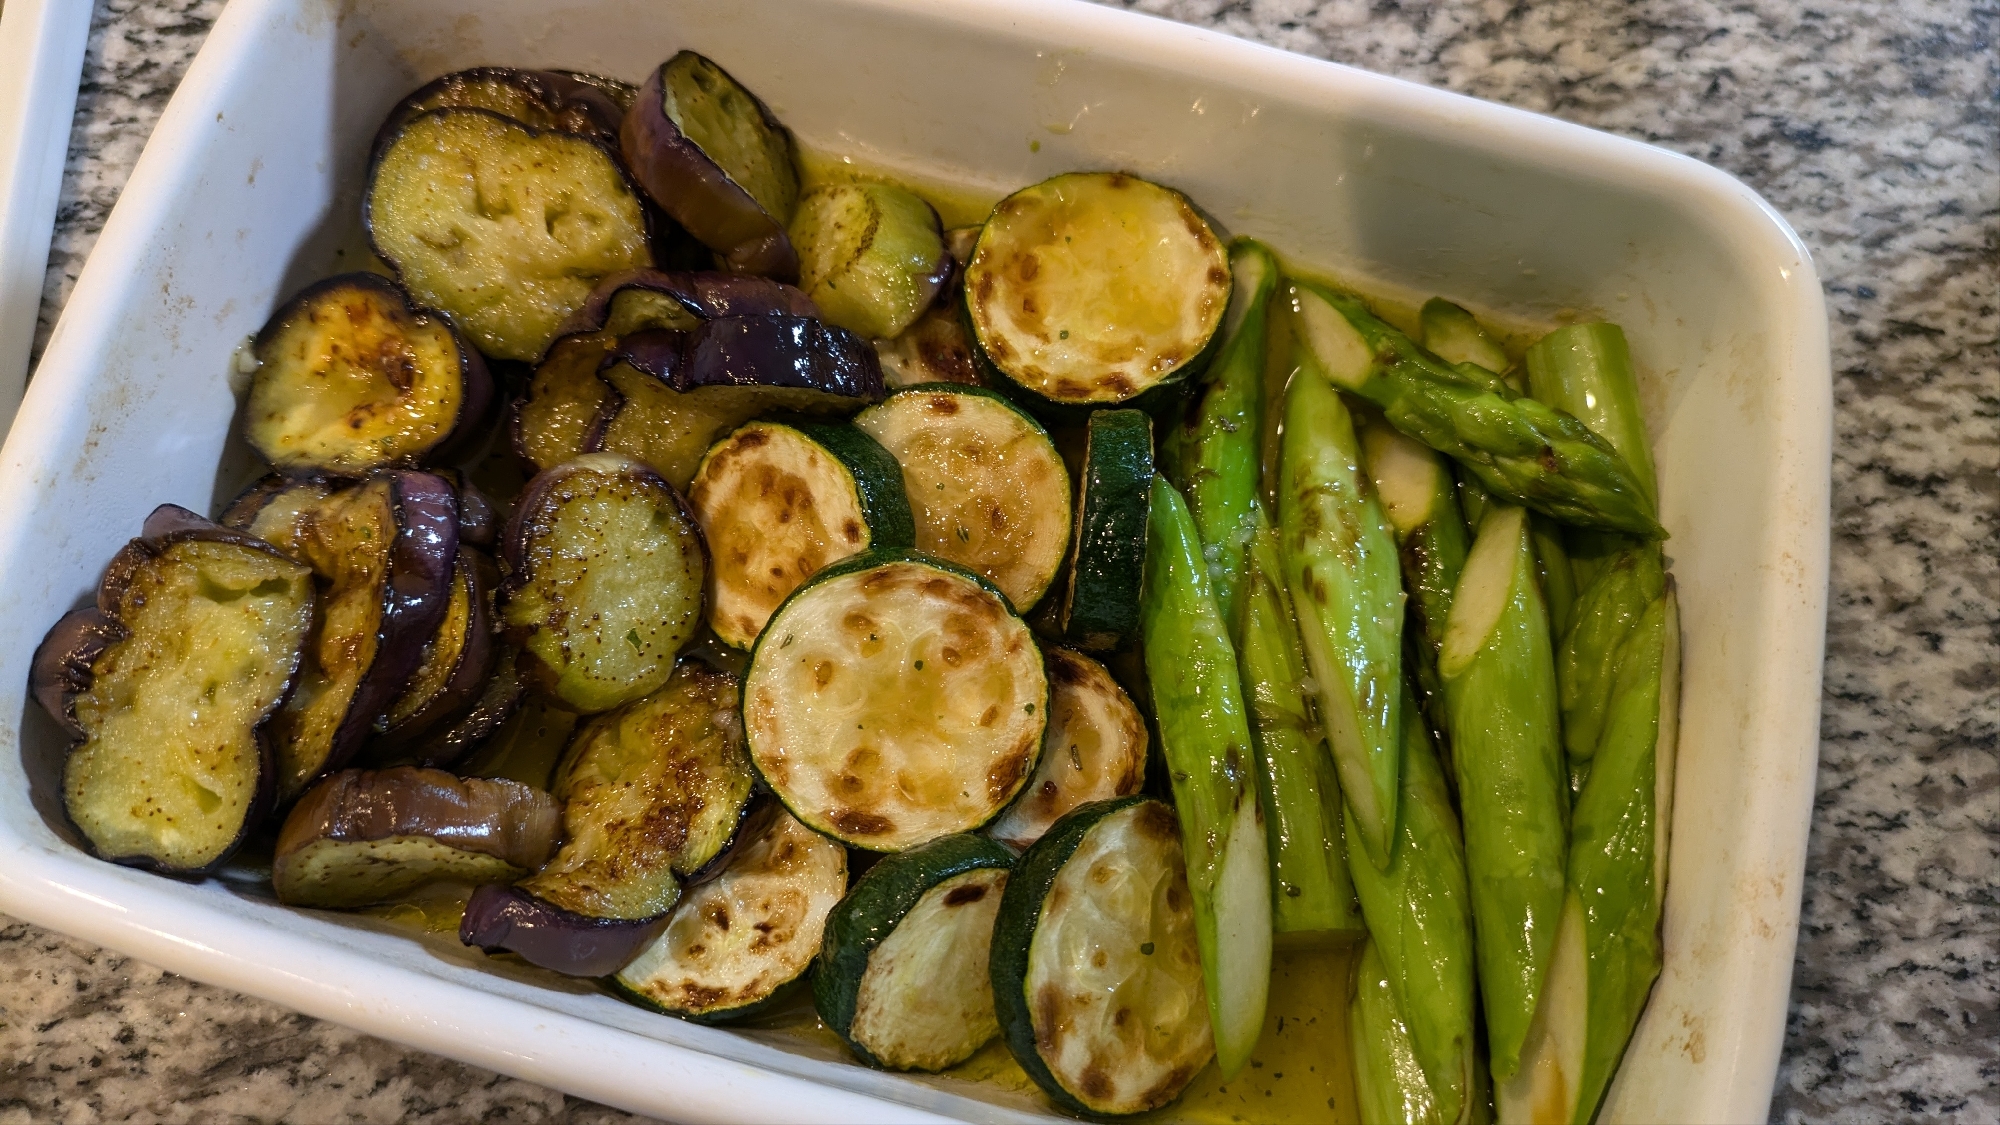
{"x": 1586, "y": 370}
{"x": 1552, "y": 566}
{"x": 1388, "y": 1081}
{"x": 1587, "y": 662}
{"x": 1455, "y": 336}
{"x": 1499, "y": 677}
{"x": 1520, "y": 449}
{"x": 1419, "y": 915}
{"x": 1341, "y": 568}
{"x": 1312, "y": 897}
{"x": 1473, "y": 499}
{"x": 1205, "y": 739}
{"x": 1217, "y": 450}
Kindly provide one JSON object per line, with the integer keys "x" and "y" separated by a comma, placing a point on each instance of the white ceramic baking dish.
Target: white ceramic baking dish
{"x": 249, "y": 188}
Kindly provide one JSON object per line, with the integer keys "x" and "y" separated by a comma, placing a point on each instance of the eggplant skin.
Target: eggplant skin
{"x": 456, "y": 664}
{"x": 703, "y": 295}
{"x": 510, "y": 920}
{"x": 498, "y": 700}
{"x": 542, "y": 99}
{"x": 367, "y": 836}
{"x": 166, "y": 687}
{"x": 352, "y": 376}
{"x": 692, "y": 186}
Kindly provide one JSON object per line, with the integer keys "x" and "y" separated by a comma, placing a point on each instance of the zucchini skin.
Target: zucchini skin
{"x": 873, "y": 908}
{"x": 1108, "y": 547}
{"x": 878, "y": 480}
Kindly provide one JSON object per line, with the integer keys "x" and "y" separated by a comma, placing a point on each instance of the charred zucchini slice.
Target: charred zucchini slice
{"x": 541, "y": 99}
{"x": 902, "y": 974}
{"x": 1095, "y": 749}
{"x": 1092, "y": 288}
{"x": 1100, "y": 610}
{"x": 351, "y": 378}
{"x": 165, "y": 686}
{"x": 742, "y": 941}
{"x": 1096, "y": 973}
{"x": 604, "y": 585}
{"x": 714, "y": 158}
{"x": 987, "y": 487}
{"x": 871, "y": 256}
{"x": 368, "y": 836}
{"x": 777, "y": 502}
{"x": 892, "y": 700}
{"x": 503, "y": 227}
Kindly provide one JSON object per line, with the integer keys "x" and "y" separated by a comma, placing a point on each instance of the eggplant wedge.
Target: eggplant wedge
{"x": 541, "y": 99}
{"x": 165, "y": 688}
{"x": 456, "y": 664}
{"x": 503, "y": 227}
{"x": 478, "y": 520}
{"x": 367, "y": 836}
{"x": 605, "y": 577}
{"x": 384, "y": 550}
{"x": 712, "y": 156}
{"x": 1095, "y": 749}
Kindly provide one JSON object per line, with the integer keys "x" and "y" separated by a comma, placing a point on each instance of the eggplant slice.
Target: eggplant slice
{"x": 510, "y": 920}
{"x": 369, "y": 836}
{"x": 351, "y": 378}
{"x": 165, "y": 687}
{"x": 606, "y": 570}
{"x": 712, "y": 156}
{"x": 456, "y": 664}
{"x": 540, "y": 99}
{"x": 504, "y": 227}
{"x": 274, "y": 508}
{"x": 627, "y": 302}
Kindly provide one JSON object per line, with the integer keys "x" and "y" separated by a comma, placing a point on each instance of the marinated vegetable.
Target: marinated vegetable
{"x": 871, "y": 256}
{"x": 1100, "y": 610}
{"x": 1094, "y": 750}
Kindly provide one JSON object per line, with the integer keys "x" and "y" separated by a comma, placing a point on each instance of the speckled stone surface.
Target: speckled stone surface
{"x": 1874, "y": 128}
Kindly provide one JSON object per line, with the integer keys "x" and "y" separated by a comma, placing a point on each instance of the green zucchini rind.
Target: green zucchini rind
{"x": 1095, "y": 749}
{"x": 987, "y": 487}
{"x": 1100, "y": 610}
{"x": 777, "y": 501}
{"x": 895, "y": 698}
{"x": 902, "y": 975}
{"x": 1093, "y": 289}
{"x": 741, "y": 943}
{"x": 1096, "y": 919}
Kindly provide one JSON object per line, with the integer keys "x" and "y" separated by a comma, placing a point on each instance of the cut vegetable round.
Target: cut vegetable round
{"x": 542, "y": 99}
{"x": 893, "y": 700}
{"x": 1096, "y": 975}
{"x": 274, "y": 507}
{"x": 165, "y": 687}
{"x": 714, "y": 158}
{"x": 1093, "y": 288}
{"x": 871, "y": 256}
{"x": 742, "y": 941}
{"x": 1095, "y": 749}
{"x": 986, "y": 485}
{"x": 503, "y": 227}
{"x": 777, "y": 502}
{"x": 1108, "y": 549}
{"x": 903, "y": 972}
{"x": 604, "y": 586}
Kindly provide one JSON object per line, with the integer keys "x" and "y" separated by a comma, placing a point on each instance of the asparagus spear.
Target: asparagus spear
{"x": 1499, "y": 681}
{"x": 1388, "y": 1081}
{"x": 1312, "y": 898}
{"x": 1587, "y": 664}
{"x": 1586, "y": 370}
{"x": 1217, "y": 451}
{"x": 1552, "y": 566}
{"x": 1455, "y": 336}
{"x": 1341, "y": 568}
{"x": 1419, "y": 916}
{"x": 1520, "y": 449}
{"x": 1205, "y": 738}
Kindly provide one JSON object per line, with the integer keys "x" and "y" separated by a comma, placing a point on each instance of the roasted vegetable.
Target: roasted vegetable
{"x": 639, "y": 299}
{"x": 777, "y": 502}
{"x": 456, "y": 663}
{"x": 892, "y": 700}
{"x": 165, "y": 687}
{"x": 1100, "y": 609}
{"x": 542, "y": 99}
{"x": 1092, "y": 288}
{"x": 1586, "y": 369}
{"x": 871, "y": 256}
{"x": 504, "y": 227}
{"x": 985, "y": 483}
{"x": 605, "y": 569}
{"x": 510, "y": 920}
{"x": 903, "y": 975}
{"x": 1097, "y": 973}
{"x": 714, "y": 158}
{"x": 528, "y": 743}
{"x": 742, "y": 941}
{"x": 934, "y": 349}
{"x": 368, "y": 836}
{"x": 1455, "y": 336}
{"x": 274, "y": 507}
{"x": 1388, "y": 1081}
{"x": 1094, "y": 749}
{"x": 496, "y": 703}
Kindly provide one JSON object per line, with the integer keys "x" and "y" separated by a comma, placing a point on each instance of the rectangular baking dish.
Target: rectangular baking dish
{"x": 250, "y": 187}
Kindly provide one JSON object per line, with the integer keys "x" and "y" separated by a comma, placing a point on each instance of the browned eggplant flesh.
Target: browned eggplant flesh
{"x": 543, "y": 99}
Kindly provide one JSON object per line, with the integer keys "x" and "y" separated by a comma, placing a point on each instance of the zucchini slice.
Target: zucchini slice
{"x": 895, "y": 699}
{"x": 505, "y": 228}
{"x": 871, "y": 256}
{"x": 604, "y": 585}
{"x": 165, "y": 687}
{"x": 777, "y": 502}
{"x": 739, "y": 943}
{"x": 902, "y": 975}
{"x": 1093, "y": 288}
{"x": 1095, "y": 749}
{"x": 1100, "y": 610}
{"x": 1096, "y": 974}
{"x": 986, "y": 485}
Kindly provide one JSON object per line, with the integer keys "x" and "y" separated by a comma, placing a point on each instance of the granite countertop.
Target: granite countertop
{"x": 1874, "y": 128}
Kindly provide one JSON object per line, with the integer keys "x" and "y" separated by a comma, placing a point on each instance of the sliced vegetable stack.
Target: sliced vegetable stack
{"x": 666, "y": 534}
